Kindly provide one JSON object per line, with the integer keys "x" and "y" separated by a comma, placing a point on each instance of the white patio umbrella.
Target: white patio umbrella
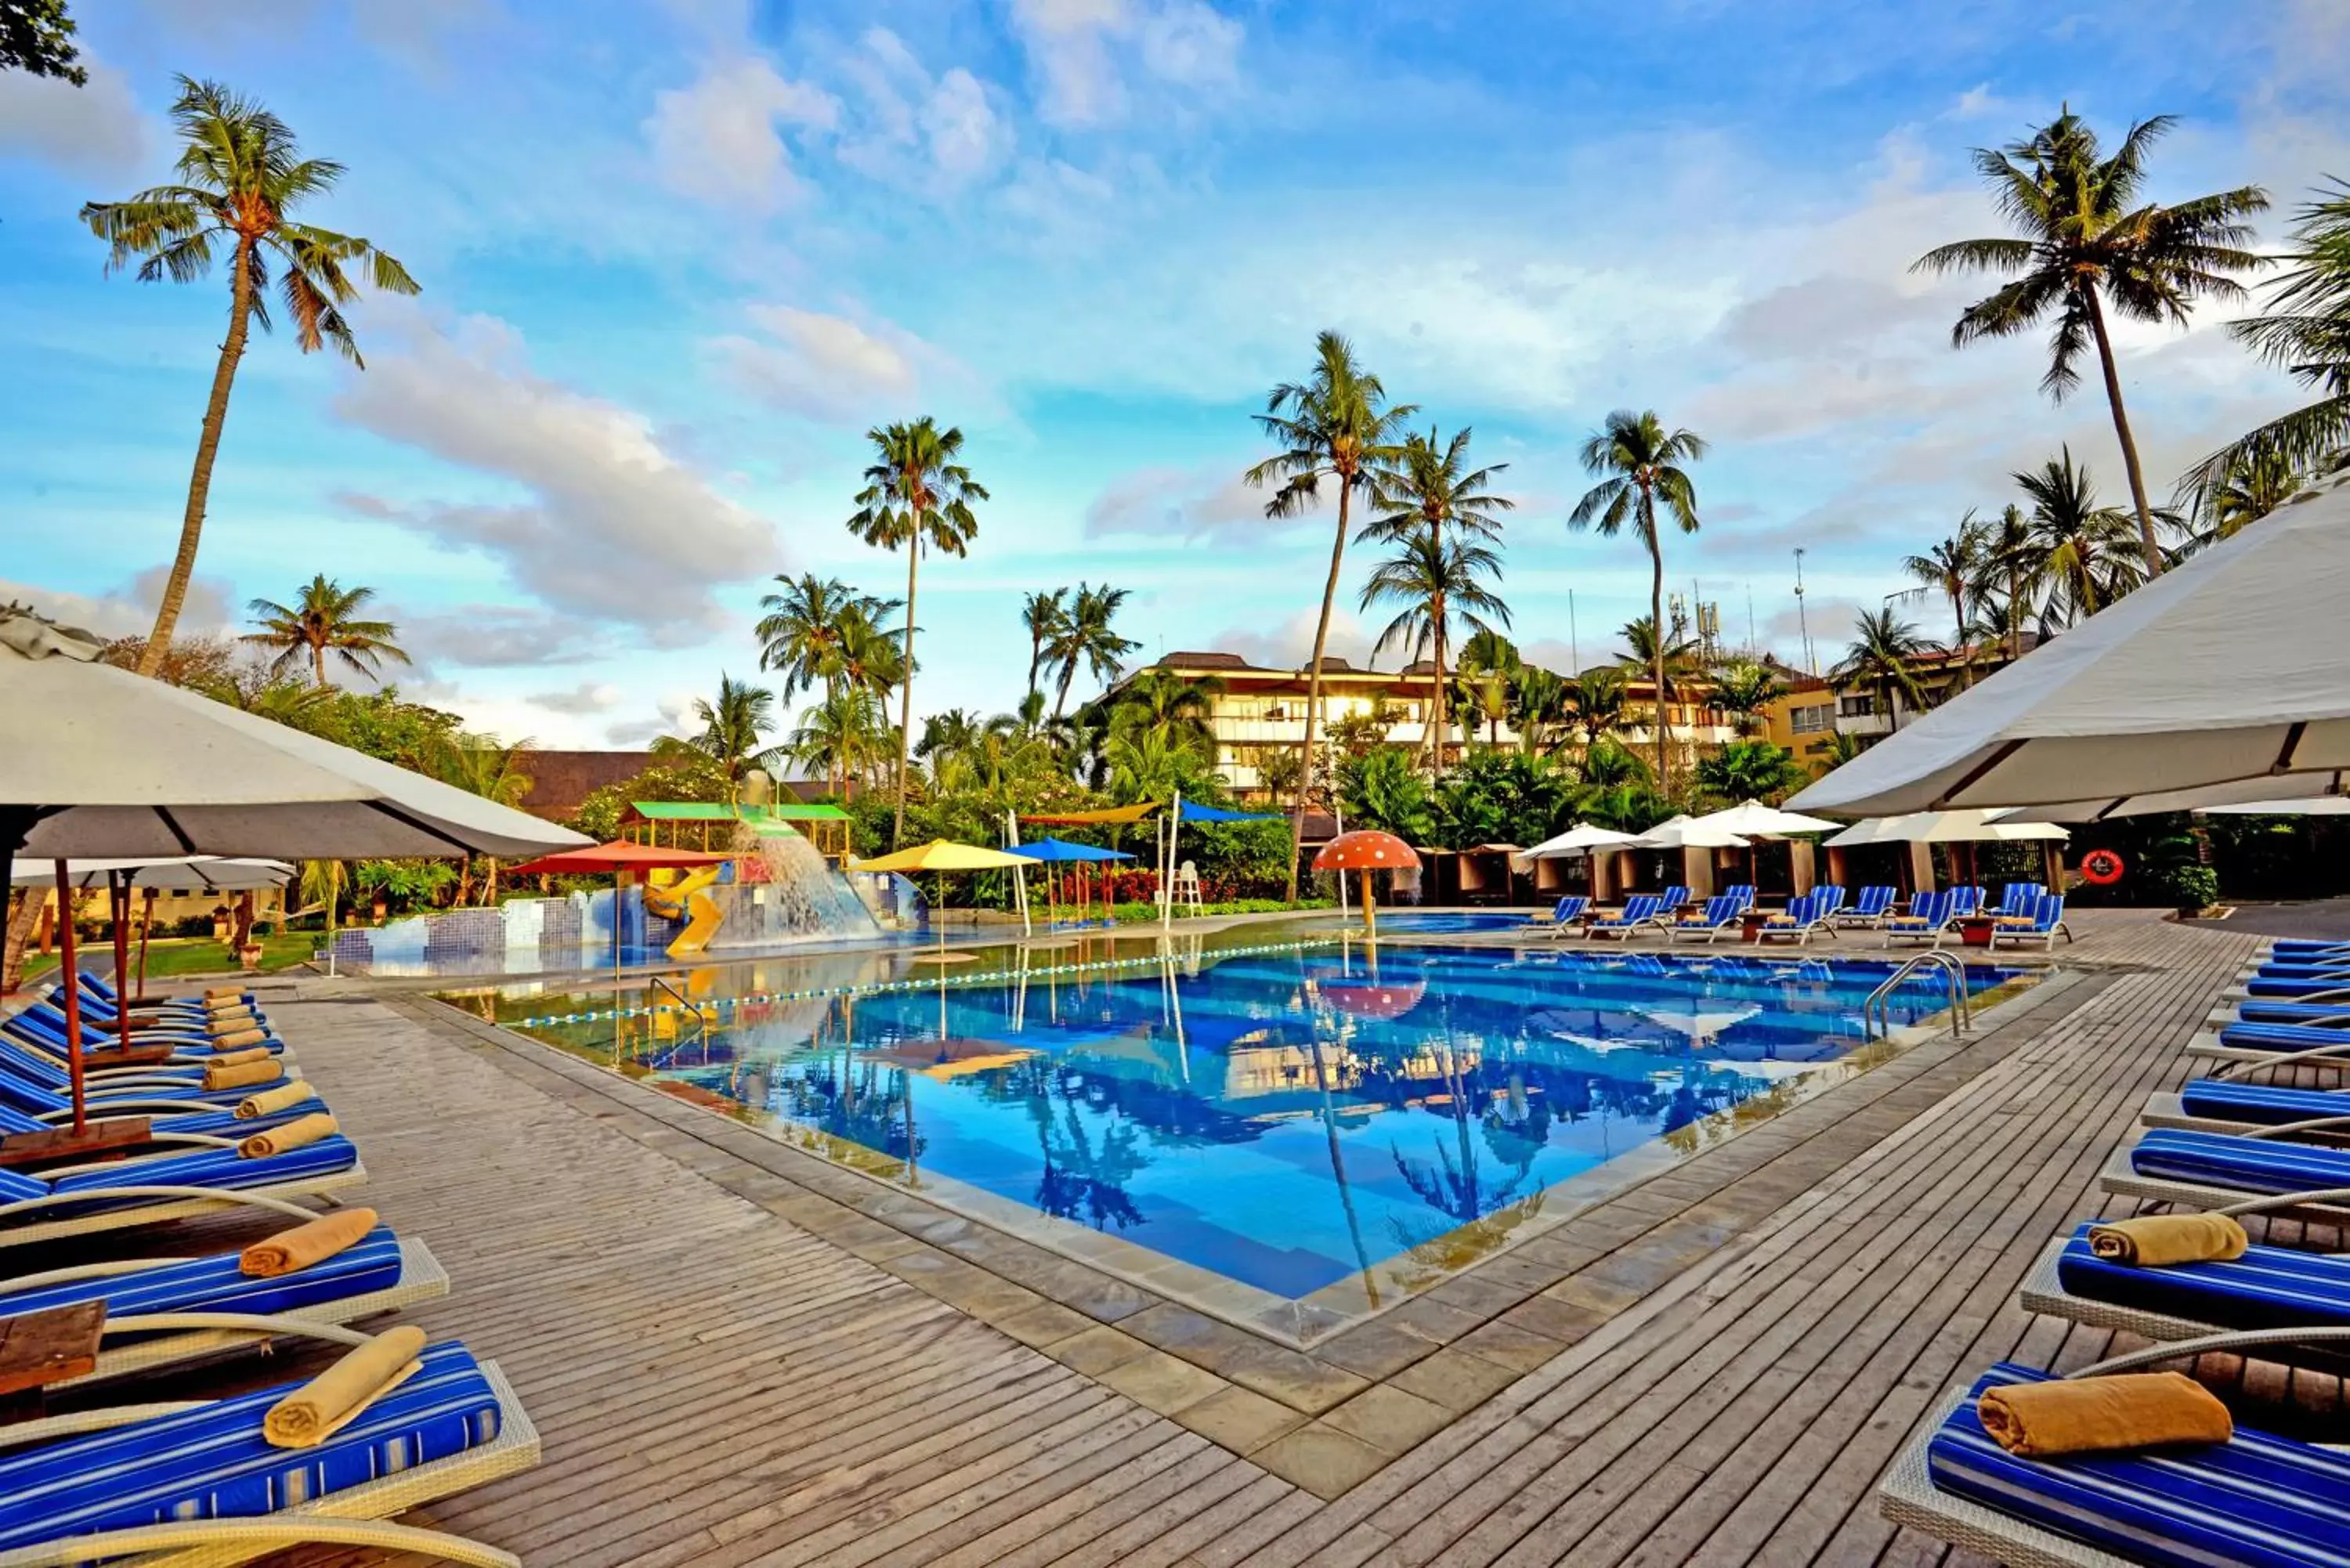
{"x": 2314, "y": 805}
{"x": 1687, "y": 832}
{"x": 2209, "y": 685}
{"x": 1753, "y": 820}
{"x": 122, "y": 877}
{"x": 1976, "y": 826}
{"x": 1580, "y": 839}
{"x": 101, "y": 761}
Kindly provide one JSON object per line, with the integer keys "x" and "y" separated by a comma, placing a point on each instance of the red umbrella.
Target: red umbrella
{"x": 1367, "y": 851}
{"x": 1374, "y": 1001}
{"x": 617, "y": 857}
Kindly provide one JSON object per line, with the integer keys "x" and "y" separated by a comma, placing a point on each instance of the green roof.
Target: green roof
{"x": 719, "y": 811}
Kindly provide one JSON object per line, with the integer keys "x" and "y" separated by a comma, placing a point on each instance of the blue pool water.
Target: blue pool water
{"x": 1290, "y": 1120}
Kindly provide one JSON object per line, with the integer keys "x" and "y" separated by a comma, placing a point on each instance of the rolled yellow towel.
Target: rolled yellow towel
{"x": 269, "y": 1102}
{"x": 2102, "y": 1414}
{"x": 2154, "y": 1239}
{"x": 294, "y": 1135}
{"x": 328, "y": 1402}
{"x": 230, "y": 1023}
{"x": 228, "y": 1004}
{"x": 221, "y": 993}
{"x": 298, "y": 1249}
{"x": 242, "y": 1037}
{"x": 239, "y": 1075}
{"x": 231, "y": 1058}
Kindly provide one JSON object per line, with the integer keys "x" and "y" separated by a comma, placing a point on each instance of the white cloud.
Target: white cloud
{"x": 97, "y": 129}
{"x": 1289, "y": 643}
{"x": 1189, "y": 503}
{"x": 905, "y": 128}
{"x": 490, "y": 636}
{"x": 609, "y": 524}
{"x": 720, "y": 139}
{"x": 587, "y": 697}
{"x": 1089, "y": 56}
{"x": 129, "y": 610}
{"x": 836, "y": 370}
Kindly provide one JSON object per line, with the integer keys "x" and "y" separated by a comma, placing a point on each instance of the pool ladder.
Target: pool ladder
{"x": 1876, "y": 1012}
{"x": 685, "y": 1005}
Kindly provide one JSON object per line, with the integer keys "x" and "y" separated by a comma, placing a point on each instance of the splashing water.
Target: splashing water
{"x": 799, "y": 897}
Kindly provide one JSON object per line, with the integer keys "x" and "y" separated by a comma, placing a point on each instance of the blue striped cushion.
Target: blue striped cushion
{"x": 219, "y": 1124}
{"x": 15, "y": 1186}
{"x": 2266, "y": 985}
{"x": 2261, "y": 1500}
{"x": 2251, "y": 1164}
{"x": 212, "y": 1464}
{"x": 2270, "y": 1010}
{"x": 2281, "y": 1037}
{"x": 214, "y": 1284}
{"x": 2268, "y": 1287}
{"x": 218, "y": 1167}
{"x": 49, "y": 1034}
{"x": 2224, "y": 1099}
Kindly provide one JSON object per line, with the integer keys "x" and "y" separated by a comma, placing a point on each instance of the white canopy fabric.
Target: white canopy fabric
{"x": 182, "y": 871}
{"x": 2230, "y": 670}
{"x": 1580, "y": 839}
{"x": 1976, "y": 826}
{"x": 1687, "y": 832}
{"x": 100, "y": 762}
{"x": 1753, "y": 820}
{"x": 2315, "y": 806}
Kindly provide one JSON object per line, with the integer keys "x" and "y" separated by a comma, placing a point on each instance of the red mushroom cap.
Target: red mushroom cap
{"x": 1365, "y": 851}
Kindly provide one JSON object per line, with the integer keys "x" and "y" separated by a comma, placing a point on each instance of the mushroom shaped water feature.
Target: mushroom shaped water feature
{"x": 1367, "y": 851}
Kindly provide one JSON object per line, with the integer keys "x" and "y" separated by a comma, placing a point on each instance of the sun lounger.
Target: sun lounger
{"x": 1670, "y": 902}
{"x": 1966, "y": 901}
{"x": 2232, "y": 1174}
{"x": 2261, "y": 1500}
{"x": 165, "y": 1310}
{"x": 2017, "y": 900}
{"x": 1719, "y": 914}
{"x": 43, "y": 1023}
{"x": 188, "y": 1177}
{"x": 1870, "y": 907}
{"x": 2268, "y": 1287}
{"x": 1564, "y": 916}
{"x": 1830, "y": 896}
{"x": 197, "y": 1483}
{"x": 2046, "y": 925}
{"x": 1803, "y": 917}
{"x": 1640, "y": 912}
{"x": 1929, "y": 920}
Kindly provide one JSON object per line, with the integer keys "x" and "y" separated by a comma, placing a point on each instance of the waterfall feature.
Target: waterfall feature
{"x": 798, "y": 898}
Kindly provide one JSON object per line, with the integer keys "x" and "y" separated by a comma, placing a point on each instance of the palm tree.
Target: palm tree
{"x": 1430, "y": 491}
{"x": 1542, "y": 705}
{"x": 733, "y": 726}
{"x": 1434, "y": 579}
{"x": 1490, "y": 664}
{"x": 1643, "y": 467}
{"x": 1045, "y": 614}
{"x": 2083, "y": 547}
{"x": 800, "y": 636}
{"x": 2010, "y": 568}
{"x": 484, "y": 766}
{"x": 1602, "y": 703}
{"x": 916, "y": 495}
{"x": 1336, "y": 425}
{"x": 241, "y": 177}
{"x": 2086, "y": 244}
{"x": 1743, "y": 690}
{"x": 322, "y": 620}
{"x": 1160, "y": 703}
{"x": 1881, "y": 658}
{"x": 2305, "y": 328}
{"x": 1950, "y": 566}
{"x": 2256, "y": 482}
{"x": 1088, "y": 636}
{"x": 839, "y": 736}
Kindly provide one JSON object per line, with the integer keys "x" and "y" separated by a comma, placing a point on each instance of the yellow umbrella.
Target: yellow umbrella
{"x": 944, "y": 855}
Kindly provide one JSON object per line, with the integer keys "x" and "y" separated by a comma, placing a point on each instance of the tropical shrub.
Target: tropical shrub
{"x": 1380, "y": 789}
{"x": 1752, "y": 770}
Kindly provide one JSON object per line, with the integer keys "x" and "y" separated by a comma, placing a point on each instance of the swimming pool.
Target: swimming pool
{"x": 1310, "y": 1124}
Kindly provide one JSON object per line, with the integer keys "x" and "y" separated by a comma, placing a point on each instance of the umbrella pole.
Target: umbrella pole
{"x": 71, "y": 975}
{"x": 617, "y": 877}
{"x": 117, "y": 904}
{"x": 147, "y": 924}
{"x": 1371, "y": 910}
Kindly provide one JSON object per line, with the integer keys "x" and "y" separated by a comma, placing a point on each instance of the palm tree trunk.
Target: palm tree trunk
{"x": 2014, "y": 615}
{"x": 1439, "y": 722}
{"x": 906, "y": 685}
{"x": 318, "y": 663}
{"x": 2121, "y": 430}
{"x": 1313, "y": 689}
{"x": 1035, "y": 657}
{"x": 1966, "y": 664}
{"x": 1656, "y": 643}
{"x": 199, "y": 481}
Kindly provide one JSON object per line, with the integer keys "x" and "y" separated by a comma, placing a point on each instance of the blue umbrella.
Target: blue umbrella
{"x": 1060, "y": 850}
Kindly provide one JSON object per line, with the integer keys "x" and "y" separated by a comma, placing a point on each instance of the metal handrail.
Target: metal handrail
{"x": 1879, "y": 1005}
{"x": 685, "y": 1005}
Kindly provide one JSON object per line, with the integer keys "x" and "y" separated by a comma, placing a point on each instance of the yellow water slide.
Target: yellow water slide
{"x": 680, "y": 897}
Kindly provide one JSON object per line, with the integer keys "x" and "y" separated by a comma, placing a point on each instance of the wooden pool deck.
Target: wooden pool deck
{"x": 730, "y": 1368}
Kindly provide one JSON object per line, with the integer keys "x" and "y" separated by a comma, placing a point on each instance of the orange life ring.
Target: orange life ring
{"x": 2101, "y": 868}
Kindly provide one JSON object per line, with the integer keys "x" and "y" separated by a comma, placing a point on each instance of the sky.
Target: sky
{"x": 678, "y": 257}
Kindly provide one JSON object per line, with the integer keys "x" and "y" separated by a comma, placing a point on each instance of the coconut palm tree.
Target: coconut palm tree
{"x": 1643, "y": 467}
{"x": 1950, "y": 568}
{"x": 2256, "y": 482}
{"x": 1882, "y": 660}
{"x": 2009, "y": 573}
{"x": 734, "y": 726}
{"x": 2305, "y": 329}
{"x": 916, "y": 495}
{"x": 320, "y": 621}
{"x": 1490, "y": 664}
{"x": 2086, "y": 244}
{"x": 241, "y": 178}
{"x": 484, "y": 766}
{"x": 2083, "y": 549}
{"x": 1336, "y": 425}
{"x": 1160, "y": 703}
{"x": 1428, "y": 492}
{"x": 800, "y": 636}
{"x": 1602, "y": 698}
{"x": 842, "y": 737}
{"x": 1043, "y": 615}
{"x": 1435, "y": 580}
{"x": 1088, "y": 636}
{"x": 1542, "y": 709}
{"x": 1743, "y": 690}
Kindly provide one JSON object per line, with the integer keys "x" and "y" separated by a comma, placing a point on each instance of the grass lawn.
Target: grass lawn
{"x": 172, "y": 958}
